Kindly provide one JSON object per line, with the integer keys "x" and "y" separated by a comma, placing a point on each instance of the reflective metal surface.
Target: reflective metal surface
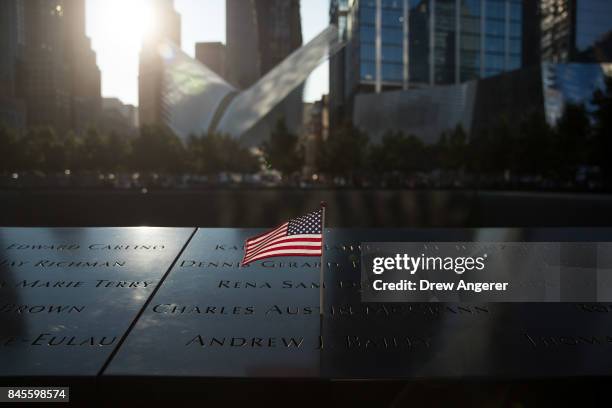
{"x": 214, "y": 319}
{"x": 67, "y": 296}
{"x": 418, "y": 340}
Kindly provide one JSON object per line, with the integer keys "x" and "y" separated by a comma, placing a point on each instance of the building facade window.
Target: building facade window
{"x": 433, "y": 42}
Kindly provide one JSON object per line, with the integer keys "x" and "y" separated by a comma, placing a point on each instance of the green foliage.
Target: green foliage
{"x": 118, "y": 150}
{"x": 532, "y": 150}
{"x": 572, "y": 139}
{"x": 243, "y": 160}
{"x": 452, "y": 149}
{"x": 73, "y": 153}
{"x": 490, "y": 151}
{"x": 602, "y": 130}
{"x": 42, "y": 150}
{"x": 283, "y": 152}
{"x": 9, "y": 146}
{"x": 345, "y": 153}
{"x": 529, "y": 147}
{"x": 94, "y": 150}
{"x": 157, "y": 149}
{"x": 398, "y": 153}
{"x": 213, "y": 153}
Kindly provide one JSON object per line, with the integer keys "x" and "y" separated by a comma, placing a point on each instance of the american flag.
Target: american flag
{"x": 300, "y": 236}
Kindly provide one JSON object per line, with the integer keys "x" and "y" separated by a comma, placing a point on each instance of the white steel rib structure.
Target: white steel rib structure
{"x": 197, "y": 100}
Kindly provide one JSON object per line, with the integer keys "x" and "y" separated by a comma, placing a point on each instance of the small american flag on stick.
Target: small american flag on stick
{"x": 302, "y": 236}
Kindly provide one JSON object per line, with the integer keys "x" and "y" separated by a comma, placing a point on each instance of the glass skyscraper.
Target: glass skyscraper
{"x": 12, "y": 42}
{"x": 571, "y": 27}
{"x": 260, "y": 35}
{"x": 151, "y": 109}
{"x": 406, "y": 43}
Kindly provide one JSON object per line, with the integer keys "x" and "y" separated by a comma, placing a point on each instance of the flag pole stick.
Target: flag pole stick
{"x": 321, "y": 275}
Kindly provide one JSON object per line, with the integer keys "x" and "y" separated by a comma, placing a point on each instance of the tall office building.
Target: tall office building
{"x": 399, "y": 44}
{"x": 47, "y": 82}
{"x": 413, "y": 44}
{"x": 242, "y": 42}
{"x": 570, "y": 28}
{"x": 12, "y": 44}
{"x": 260, "y": 34}
{"x": 48, "y": 72}
{"x": 338, "y": 15}
{"x": 212, "y": 54}
{"x": 167, "y": 27}
{"x": 280, "y": 31}
{"x": 118, "y": 117}
{"x": 532, "y": 34}
{"x": 84, "y": 72}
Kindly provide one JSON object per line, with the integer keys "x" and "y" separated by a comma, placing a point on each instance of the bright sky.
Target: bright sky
{"x": 116, "y": 28}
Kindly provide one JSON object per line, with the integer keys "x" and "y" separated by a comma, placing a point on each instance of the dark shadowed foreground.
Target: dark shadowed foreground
{"x": 261, "y": 208}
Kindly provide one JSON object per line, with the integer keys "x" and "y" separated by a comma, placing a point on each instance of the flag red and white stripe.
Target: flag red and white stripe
{"x": 301, "y": 236}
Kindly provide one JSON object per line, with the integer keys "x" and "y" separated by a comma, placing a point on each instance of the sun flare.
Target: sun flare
{"x": 117, "y": 29}
{"x": 124, "y": 20}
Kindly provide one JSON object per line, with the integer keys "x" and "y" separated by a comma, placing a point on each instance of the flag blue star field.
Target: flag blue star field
{"x": 302, "y": 236}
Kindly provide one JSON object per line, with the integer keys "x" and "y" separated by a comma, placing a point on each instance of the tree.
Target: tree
{"x": 283, "y": 152}
{"x": 9, "y": 146}
{"x": 602, "y": 130}
{"x": 398, "y": 153}
{"x": 213, "y": 153}
{"x": 453, "y": 149}
{"x": 157, "y": 149}
{"x": 572, "y": 139}
{"x": 345, "y": 152}
{"x": 117, "y": 151}
{"x": 534, "y": 151}
{"x": 94, "y": 151}
{"x": 479, "y": 153}
{"x": 503, "y": 146}
{"x": 194, "y": 154}
{"x": 73, "y": 151}
{"x": 42, "y": 150}
{"x": 240, "y": 159}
